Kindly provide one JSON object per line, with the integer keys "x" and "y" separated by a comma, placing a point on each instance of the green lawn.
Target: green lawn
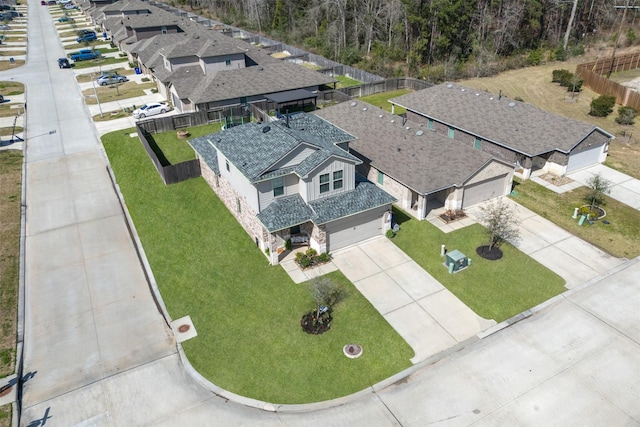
{"x": 246, "y": 312}
{"x": 620, "y": 238}
{"x": 116, "y": 92}
{"x": 96, "y": 62}
{"x": 344, "y": 81}
{"x": 382, "y": 99}
{"x": 175, "y": 150}
{"x": 493, "y": 289}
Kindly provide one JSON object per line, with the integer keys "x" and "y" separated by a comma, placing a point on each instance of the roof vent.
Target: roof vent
{"x": 419, "y": 133}
{"x": 354, "y": 103}
{"x": 462, "y": 90}
{"x": 449, "y": 85}
{"x": 407, "y": 128}
{"x": 512, "y": 104}
{"x": 491, "y": 98}
{"x": 477, "y": 94}
{"x": 266, "y": 129}
{"x": 381, "y": 116}
{"x": 364, "y": 109}
{"x": 393, "y": 121}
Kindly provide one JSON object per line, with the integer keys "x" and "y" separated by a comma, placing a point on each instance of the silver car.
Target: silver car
{"x": 109, "y": 79}
{"x": 151, "y": 110}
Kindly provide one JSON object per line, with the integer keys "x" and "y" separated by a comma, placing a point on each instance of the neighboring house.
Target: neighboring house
{"x": 516, "y": 132}
{"x": 293, "y": 179}
{"x": 423, "y": 169}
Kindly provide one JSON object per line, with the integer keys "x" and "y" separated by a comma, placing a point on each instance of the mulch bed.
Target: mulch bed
{"x": 315, "y": 325}
{"x": 490, "y": 254}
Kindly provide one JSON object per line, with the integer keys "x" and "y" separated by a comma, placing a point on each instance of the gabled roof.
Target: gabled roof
{"x": 254, "y": 148}
{"x": 419, "y": 158}
{"x": 195, "y": 45}
{"x": 257, "y": 80}
{"x": 513, "y": 124}
{"x": 207, "y": 152}
{"x": 125, "y": 5}
{"x": 289, "y": 211}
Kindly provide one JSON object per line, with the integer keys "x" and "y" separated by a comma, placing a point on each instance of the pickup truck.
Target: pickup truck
{"x": 84, "y": 55}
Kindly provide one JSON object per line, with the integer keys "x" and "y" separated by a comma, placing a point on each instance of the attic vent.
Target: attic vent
{"x": 512, "y": 104}
{"x": 266, "y": 129}
{"x": 354, "y": 103}
{"x": 419, "y": 133}
{"x": 449, "y": 85}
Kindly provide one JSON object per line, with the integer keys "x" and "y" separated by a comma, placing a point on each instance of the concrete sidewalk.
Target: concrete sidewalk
{"x": 575, "y": 260}
{"x": 625, "y": 188}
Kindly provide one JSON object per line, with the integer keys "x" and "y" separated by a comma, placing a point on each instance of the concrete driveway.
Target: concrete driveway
{"x": 429, "y": 317}
{"x": 573, "y": 259}
{"x": 625, "y": 189}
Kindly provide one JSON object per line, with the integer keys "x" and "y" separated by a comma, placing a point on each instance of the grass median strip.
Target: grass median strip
{"x": 493, "y": 289}
{"x": 246, "y": 312}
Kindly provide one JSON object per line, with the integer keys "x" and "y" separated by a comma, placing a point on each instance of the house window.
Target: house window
{"x": 238, "y": 206}
{"x": 337, "y": 180}
{"x": 324, "y": 183}
{"x": 477, "y": 144}
{"x": 226, "y": 162}
{"x": 451, "y": 132}
{"x": 164, "y": 30}
{"x": 380, "y": 178}
{"x": 278, "y": 186}
{"x": 227, "y": 61}
{"x": 430, "y": 124}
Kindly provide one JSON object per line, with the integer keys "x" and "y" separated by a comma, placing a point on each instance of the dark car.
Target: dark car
{"x": 87, "y": 36}
{"x": 5, "y": 17}
{"x": 63, "y": 63}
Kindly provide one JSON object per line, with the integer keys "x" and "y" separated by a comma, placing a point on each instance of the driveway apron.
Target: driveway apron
{"x": 429, "y": 317}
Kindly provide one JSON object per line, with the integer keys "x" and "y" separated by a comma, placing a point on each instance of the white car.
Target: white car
{"x": 151, "y": 110}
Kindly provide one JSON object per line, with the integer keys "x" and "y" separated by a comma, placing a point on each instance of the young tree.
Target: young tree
{"x": 598, "y": 187}
{"x": 500, "y": 221}
{"x": 324, "y": 293}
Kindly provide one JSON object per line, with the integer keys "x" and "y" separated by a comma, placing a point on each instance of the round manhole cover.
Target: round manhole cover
{"x": 183, "y": 328}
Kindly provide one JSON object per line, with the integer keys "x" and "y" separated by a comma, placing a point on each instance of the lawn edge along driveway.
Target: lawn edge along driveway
{"x": 494, "y": 290}
{"x": 246, "y": 312}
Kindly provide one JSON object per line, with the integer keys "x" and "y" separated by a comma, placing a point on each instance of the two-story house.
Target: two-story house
{"x": 293, "y": 179}
{"x": 532, "y": 139}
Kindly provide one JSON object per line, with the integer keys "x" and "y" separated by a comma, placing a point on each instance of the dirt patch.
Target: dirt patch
{"x": 556, "y": 180}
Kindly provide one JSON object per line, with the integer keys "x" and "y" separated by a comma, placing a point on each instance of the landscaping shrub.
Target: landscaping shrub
{"x": 558, "y": 76}
{"x": 287, "y": 244}
{"x": 602, "y": 106}
{"x": 535, "y": 57}
{"x": 626, "y": 115}
{"x": 311, "y": 257}
{"x": 390, "y": 234}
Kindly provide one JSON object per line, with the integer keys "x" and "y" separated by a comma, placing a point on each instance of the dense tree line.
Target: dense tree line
{"x": 411, "y": 36}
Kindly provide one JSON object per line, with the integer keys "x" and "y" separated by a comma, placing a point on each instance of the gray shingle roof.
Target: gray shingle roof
{"x": 253, "y": 151}
{"x": 288, "y": 211}
{"x": 207, "y": 152}
{"x": 513, "y": 124}
{"x": 425, "y": 163}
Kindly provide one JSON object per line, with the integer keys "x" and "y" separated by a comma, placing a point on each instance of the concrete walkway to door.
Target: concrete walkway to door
{"x": 426, "y": 314}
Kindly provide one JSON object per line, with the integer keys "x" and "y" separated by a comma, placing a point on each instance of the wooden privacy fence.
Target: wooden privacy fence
{"x": 592, "y": 75}
{"x": 170, "y": 174}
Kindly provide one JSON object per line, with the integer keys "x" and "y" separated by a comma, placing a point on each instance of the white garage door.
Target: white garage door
{"x": 345, "y": 232}
{"x": 484, "y": 190}
{"x": 584, "y": 159}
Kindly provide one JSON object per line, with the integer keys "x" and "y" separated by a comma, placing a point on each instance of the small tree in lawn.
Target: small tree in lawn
{"x": 598, "y": 187}
{"x": 500, "y": 221}
{"x": 325, "y": 293}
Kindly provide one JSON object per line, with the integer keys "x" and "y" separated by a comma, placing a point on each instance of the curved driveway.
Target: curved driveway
{"x": 98, "y": 351}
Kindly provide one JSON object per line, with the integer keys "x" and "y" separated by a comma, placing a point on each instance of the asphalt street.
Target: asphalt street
{"x": 99, "y": 349}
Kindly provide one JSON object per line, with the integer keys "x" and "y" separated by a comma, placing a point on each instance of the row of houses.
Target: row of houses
{"x": 328, "y": 179}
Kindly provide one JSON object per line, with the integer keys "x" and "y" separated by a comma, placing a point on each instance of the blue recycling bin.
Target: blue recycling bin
{"x": 138, "y": 71}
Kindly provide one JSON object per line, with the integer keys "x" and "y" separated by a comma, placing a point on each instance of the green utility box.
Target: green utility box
{"x": 458, "y": 259}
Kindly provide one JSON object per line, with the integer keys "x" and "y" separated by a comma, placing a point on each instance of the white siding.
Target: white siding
{"x": 330, "y": 166}
{"x": 265, "y": 190}
{"x": 295, "y": 157}
{"x": 239, "y": 182}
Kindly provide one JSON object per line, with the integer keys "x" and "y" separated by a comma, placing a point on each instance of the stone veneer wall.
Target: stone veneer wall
{"x": 246, "y": 217}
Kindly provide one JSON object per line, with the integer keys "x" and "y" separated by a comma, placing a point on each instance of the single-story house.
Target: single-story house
{"x": 293, "y": 179}
{"x": 422, "y": 169}
{"x": 514, "y": 131}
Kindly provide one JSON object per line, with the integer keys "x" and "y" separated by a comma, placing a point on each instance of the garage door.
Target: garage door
{"x": 484, "y": 190}
{"x": 584, "y": 159}
{"x": 345, "y": 232}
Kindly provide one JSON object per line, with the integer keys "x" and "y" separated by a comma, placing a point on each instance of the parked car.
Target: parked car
{"x": 6, "y": 7}
{"x": 151, "y": 110}
{"x": 84, "y": 55}
{"x": 43, "y": 3}
{"x": 69, "y": 6}
{"x": 109, "y": 79}
{"x": 4, "y": 27}
{"x": 87, "y": 37}
{"x": 63, "y": 63}
{"x": 63, "y": 19}
{"x": 5, "y": 17}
